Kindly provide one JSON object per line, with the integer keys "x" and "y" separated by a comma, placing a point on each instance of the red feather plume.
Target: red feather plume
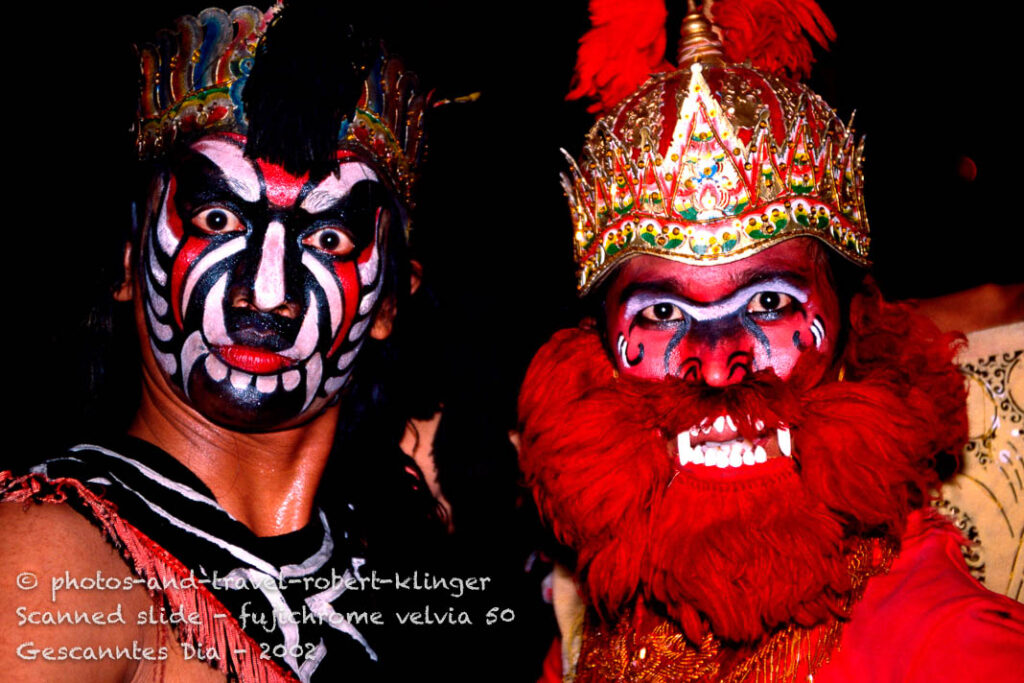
{"x": 625, "y": 46}
{"x": 770, "y": 33}
{"x": 627, "y": 42}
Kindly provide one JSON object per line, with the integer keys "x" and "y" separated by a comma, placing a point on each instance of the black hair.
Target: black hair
{"x": 306, "y": 79}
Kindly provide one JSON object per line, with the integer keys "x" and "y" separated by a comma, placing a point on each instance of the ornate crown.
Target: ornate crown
{"x": 713, "y": 163}
{"x": 193, "y": 76}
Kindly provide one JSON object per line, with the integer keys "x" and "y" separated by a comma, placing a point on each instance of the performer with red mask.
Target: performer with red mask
{"x": 738, "y": 447}
{"x": 280, "y": 151}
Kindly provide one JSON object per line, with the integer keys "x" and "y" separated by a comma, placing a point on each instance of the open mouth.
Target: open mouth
{"x": 716, "y": 444}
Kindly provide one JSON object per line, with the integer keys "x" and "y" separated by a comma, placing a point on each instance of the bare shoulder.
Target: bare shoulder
{"x": 979, "y": 308}
{"x": 68, "y": 602}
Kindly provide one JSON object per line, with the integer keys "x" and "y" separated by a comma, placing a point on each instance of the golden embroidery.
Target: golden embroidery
{"x": 664, "y": 655}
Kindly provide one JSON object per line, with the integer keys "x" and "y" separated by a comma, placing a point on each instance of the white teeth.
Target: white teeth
{"x": 291, "y": 379}
{"x": 732, "y": 425}
{"x": 215, "y": 368}
{"x": 785, "y": 443}
{"x": 683, "y": 445}
{"x": 719, "y": 424}
{"x": 694, "y": 431}
{"x": 734, "y": 453}
{"x": 240, "y": 380}
{"x": 759, "y": 425}
{"x": 706, "y": 428}
{"x": 266, "y": 384}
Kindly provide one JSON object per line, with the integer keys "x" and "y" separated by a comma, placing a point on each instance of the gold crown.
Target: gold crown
{"x": 192, "y": 80}
{"x": 712, "y": 164}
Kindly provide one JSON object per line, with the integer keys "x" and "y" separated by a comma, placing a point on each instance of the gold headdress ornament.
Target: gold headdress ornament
{"x": 716, "y": 161}
{"x": 193, "y": 77}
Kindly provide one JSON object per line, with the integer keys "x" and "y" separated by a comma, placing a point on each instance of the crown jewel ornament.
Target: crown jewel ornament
{"x": 712, "y": 163}
{"x": 192, "y": 79}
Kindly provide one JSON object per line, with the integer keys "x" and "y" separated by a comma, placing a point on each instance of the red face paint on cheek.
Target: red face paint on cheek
{"x": 717, "y": 324}
{"x": 348, "y": 279}
{"x": 188, "y": 255}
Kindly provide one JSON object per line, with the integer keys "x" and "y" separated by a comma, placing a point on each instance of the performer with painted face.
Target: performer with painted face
{"x": 281, "y": 151}
{"x": 739, "y": 446}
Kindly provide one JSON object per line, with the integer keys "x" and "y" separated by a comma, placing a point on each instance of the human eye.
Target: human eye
{"x": 217, "y": 220}
{"x": 330, "y": 240}
{"x": 769, "y": 305}
{"x": 661, "y": 312}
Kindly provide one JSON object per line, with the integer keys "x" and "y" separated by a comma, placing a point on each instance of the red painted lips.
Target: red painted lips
{"x": 253, "y": 360}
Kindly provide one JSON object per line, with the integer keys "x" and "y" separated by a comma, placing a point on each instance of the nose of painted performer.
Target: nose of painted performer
{"x": 266, "y": 288}
{"x": 260, "y": 286}
{"x": 716, "y": 324}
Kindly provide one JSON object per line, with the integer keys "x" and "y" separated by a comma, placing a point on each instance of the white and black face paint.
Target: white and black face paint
{"x": 260, "y": 286}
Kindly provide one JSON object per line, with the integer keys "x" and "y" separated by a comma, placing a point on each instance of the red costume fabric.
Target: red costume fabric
{"x": 928, "y": 619}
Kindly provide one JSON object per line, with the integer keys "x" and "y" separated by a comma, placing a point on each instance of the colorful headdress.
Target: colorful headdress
{"x": 193, "y": 81}
{"x": 713, "y": 162}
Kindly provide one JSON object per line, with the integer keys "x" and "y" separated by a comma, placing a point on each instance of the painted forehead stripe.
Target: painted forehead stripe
{"x": 335, "y": 187}
{"x": 720, "y": 309}
{"x": 230, "y": 159}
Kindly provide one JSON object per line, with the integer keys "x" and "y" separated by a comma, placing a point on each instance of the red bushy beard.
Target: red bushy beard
{"x": 742, "y": 557}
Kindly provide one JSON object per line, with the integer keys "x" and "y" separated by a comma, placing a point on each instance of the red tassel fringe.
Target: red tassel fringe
{"x": 236, "y": 651}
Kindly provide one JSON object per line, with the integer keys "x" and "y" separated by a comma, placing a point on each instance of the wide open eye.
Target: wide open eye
{"x": 662, "y": 312}
{"x": 769, "y": 303}
{"x": 333, "y": 241}
{"x": 217, "y": 221}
